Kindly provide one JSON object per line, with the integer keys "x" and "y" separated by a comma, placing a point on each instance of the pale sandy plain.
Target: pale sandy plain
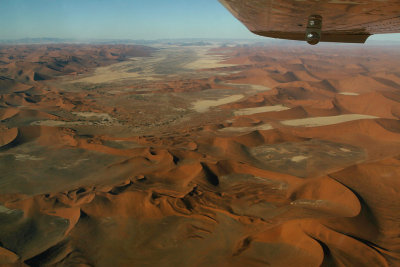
{"x": 220, "y": 155}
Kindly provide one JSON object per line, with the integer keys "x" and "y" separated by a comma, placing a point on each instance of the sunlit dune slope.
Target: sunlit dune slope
{"x": 194, "y": 156}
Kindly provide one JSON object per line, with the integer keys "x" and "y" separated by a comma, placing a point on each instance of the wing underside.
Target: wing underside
{"x": 351, "y": 21}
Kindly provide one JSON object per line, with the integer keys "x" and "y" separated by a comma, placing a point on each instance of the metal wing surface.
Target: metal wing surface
{"x": 351, "y": 21}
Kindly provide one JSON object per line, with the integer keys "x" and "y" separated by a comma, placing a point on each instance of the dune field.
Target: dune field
{"x": 246, "y": 155}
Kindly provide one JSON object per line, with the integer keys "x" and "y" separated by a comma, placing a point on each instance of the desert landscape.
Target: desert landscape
{"x": 199, "y": 155}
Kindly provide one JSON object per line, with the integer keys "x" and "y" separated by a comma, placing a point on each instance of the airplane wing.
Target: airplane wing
{"x": 349, "y": 21}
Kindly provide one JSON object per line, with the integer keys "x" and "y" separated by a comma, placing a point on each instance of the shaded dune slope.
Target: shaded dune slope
{"x": 310, "y": 181}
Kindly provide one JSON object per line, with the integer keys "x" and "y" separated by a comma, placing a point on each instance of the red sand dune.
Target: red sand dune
{"x": 127, "y": 173}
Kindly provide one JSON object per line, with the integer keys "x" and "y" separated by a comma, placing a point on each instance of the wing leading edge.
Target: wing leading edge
{"x": 349, "y": 21}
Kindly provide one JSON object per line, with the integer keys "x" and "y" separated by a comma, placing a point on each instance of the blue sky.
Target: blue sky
{"x": 131, "y": 19}
{"x": 121, "y": 19}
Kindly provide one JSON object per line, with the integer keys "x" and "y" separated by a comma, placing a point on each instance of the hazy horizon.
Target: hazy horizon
{"x": 120, "y": 19}
{"x": 164, "y": 133}
{"x": 125, "y": 20}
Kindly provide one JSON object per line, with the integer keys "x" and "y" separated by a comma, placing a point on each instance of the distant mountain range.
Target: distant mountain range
{"x": 183, "y": 42}
{"x": 380, "y": 40}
